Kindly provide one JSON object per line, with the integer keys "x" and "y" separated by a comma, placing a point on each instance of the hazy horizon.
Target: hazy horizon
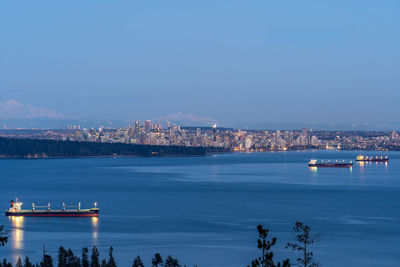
{"x": 232, "y": 62}
{"x": 14, "y": 114}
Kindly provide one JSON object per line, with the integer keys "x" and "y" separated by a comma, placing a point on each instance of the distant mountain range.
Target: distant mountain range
{"x": 14, "y": 114}
{"x": 12, "y": 109}
{"x": 377, "y": 126}
{"x": 186, "y": 120}
{"x": 49, "y": 123}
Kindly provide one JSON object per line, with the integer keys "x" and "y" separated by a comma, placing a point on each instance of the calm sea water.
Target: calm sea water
{"x": 204, "y": 210}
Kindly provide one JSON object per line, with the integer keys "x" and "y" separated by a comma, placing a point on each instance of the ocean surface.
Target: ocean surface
{"x": 204, "y": 210}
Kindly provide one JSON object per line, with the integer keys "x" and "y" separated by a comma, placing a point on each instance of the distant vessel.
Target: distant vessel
{"x": 372, "y": 159}
{"x": 15, "y": 210}
{"x": 315, "y": 163}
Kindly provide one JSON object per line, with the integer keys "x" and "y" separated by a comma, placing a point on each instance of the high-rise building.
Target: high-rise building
{"x": 137, "y": 126}
{"x": 248, "y": 143}
{"x": 304, "y": 132}
{"x": 314, "y": 141}
{"x": 198, "y": 132}
{"x": 215, "y": 131}
{"x": 395, "y": 135}
{"x": 157, "y": 126}
{"x": 147, "y": 126}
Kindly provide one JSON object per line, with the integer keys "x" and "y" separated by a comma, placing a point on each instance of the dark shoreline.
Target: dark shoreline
{"x": 180, "y": 156}
{"x": 15, "y": 148}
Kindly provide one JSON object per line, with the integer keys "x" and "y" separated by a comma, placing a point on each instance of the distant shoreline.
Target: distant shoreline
{"x": 2, "y": 157}
{"x": 15, "y": 148}
{"x": 318, "y": 149}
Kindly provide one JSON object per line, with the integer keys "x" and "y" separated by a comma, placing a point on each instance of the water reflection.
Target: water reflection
{"x": 95, "y": 225}
{"x": 314, "y": 170}
{"x": 17, "y": 235}
{"x": 367, "y": 163}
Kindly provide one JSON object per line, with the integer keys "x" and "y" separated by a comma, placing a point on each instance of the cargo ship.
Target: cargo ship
{"x": 372, "y": 159}
{"x": 315, "y": 163}
{"x": 16, "y": 210}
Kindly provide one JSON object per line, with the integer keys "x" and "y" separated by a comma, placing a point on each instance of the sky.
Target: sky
{"x": 233, "y": 61}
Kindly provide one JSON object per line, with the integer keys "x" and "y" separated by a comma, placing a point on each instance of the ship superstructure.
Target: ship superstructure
{"x": 372, "y": 159}
{"x": 16, "y": 210}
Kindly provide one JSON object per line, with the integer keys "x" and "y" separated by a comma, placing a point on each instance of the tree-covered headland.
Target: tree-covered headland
{"x": 42, "y": 148}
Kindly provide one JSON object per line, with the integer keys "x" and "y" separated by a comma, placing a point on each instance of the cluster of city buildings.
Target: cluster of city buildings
{"x": 153, "y": 133}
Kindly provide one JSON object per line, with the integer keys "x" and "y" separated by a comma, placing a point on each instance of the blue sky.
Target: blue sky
{"x": 235, "y": 61}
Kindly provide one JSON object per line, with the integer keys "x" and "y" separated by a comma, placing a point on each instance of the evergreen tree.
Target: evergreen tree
{"x": 72, "y": 260}
{"x": 266, "y": 258}
{"x": 62, "y": 257}
{"x": 85, "y": 259}
{"x": 95, "y": 261}
{"x": 103, "y": 263}
{"x": 3, "y": 235}
{"x": 137, "y": 262}
{"x": 171, "y": 262}
{"x": 6, "y": 263}
{"x": 47, "y": 261}
{"x": 19, "y": 263}
{"x": 77, "y": 262}
{"x": 157, "y": 260}
{"x": 27, "y": 263}
{"x": 70, "y": 257}
{"x": 111, "y": 261}
{"x": 303, "y": 239}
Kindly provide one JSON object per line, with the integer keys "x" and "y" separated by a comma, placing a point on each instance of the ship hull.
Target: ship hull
{"x": 55, "y": 213}
{"x": 332, "y": 165}
{"x": 372, "y": 160}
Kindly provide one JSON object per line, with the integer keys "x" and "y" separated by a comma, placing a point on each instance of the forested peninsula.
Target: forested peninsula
{"x": 43, "y": 148}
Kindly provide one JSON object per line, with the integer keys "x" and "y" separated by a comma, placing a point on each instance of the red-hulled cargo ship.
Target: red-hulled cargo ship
{"x": 15, "y": 210}
{"x": 315, "y": 163}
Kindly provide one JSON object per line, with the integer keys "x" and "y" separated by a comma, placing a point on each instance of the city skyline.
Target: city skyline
{"x": 227, "y": 139}
{"x": 236, "y": 62}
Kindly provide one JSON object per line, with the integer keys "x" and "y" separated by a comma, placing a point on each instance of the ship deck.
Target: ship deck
{"x": 332, "y": 165}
